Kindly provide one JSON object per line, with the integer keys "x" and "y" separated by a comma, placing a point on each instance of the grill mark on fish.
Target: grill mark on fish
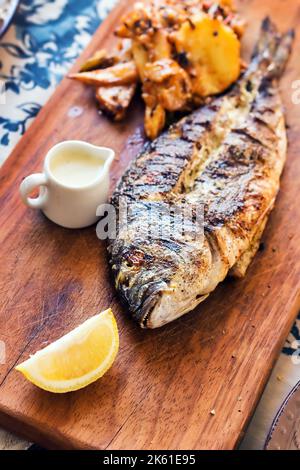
{"x": 226, "y": 157}
{"x": 246, "y": 133}
{"x": 259, "y": 120}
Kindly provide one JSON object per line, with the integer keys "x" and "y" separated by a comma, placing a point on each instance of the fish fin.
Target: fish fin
{"x": 273, "y": 49}
{"x": 239, "y": 270}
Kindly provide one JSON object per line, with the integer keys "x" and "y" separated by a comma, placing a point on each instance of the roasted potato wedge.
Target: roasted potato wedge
{"x": 119, "y": 74}
{"x": 100, "y": 60}
{"x": 160, "y": 70}
{"x": 227, "y": 3}
{"x": 169, "y": 83}
{"x": 140, "y": 57}
{"x": 137, "y": 23}
{"x": 155, "y": 119}
{"x": 161, "y": 47}
{"x": 115, "y": 100}
{"x": 213, "y": 54}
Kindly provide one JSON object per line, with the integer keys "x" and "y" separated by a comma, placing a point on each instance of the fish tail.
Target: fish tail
{"x": 283, "y": 52}
{"x": 273, "y": 49}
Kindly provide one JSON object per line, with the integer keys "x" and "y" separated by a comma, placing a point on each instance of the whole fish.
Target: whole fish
{"x": 227, "y": 158}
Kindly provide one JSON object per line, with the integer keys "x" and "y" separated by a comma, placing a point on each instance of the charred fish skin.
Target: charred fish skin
{"x": 226, "y": 157}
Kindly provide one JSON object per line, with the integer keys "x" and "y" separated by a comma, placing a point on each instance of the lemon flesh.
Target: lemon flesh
{"x": 78, "y": 358}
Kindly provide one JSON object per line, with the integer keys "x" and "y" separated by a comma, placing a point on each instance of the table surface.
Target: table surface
{"x": 31, "y": 67}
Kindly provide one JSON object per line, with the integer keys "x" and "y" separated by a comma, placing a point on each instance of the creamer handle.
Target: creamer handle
{"x": 28, "y": 185}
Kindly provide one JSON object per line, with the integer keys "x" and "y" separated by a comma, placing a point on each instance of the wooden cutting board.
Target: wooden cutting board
{"x": 164, "y": 383}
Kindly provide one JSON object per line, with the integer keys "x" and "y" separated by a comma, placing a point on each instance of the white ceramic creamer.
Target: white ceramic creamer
{"x": 75, "y": 181}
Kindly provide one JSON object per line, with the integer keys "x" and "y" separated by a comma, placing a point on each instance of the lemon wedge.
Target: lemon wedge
{"x": 78, "y": 358}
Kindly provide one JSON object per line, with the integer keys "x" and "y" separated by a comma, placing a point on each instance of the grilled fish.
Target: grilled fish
{"x": 226, "y": 157}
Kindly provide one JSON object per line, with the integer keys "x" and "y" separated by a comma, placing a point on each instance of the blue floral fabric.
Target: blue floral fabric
{"x": 292, "y": 344}
{"x": 45, "y": 39}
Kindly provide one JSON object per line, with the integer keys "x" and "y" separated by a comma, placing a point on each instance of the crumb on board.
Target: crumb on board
{"x": 279, "y": 377}
{"x": 213, "y": 412}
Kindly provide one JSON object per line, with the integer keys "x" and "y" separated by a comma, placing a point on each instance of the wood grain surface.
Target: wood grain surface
{"x": 164, "y": 383}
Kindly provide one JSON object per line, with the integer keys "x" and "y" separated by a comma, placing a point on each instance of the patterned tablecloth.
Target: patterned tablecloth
{"x": 44, "y": 40}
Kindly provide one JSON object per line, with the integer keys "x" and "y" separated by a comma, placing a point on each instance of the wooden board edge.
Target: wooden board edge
{"x": 281, "y": 341}
{"x": 28, "y": 432}
{"x": 25, "y": 429}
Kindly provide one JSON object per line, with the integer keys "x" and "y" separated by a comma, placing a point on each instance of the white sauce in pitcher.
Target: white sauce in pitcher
{"x": 76, "y": 169}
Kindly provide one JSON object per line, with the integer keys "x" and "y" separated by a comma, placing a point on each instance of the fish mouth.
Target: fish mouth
{"x": 152, "y": 293}
{"x": 148, "y": 308}
{"x": 168, "y": 307}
